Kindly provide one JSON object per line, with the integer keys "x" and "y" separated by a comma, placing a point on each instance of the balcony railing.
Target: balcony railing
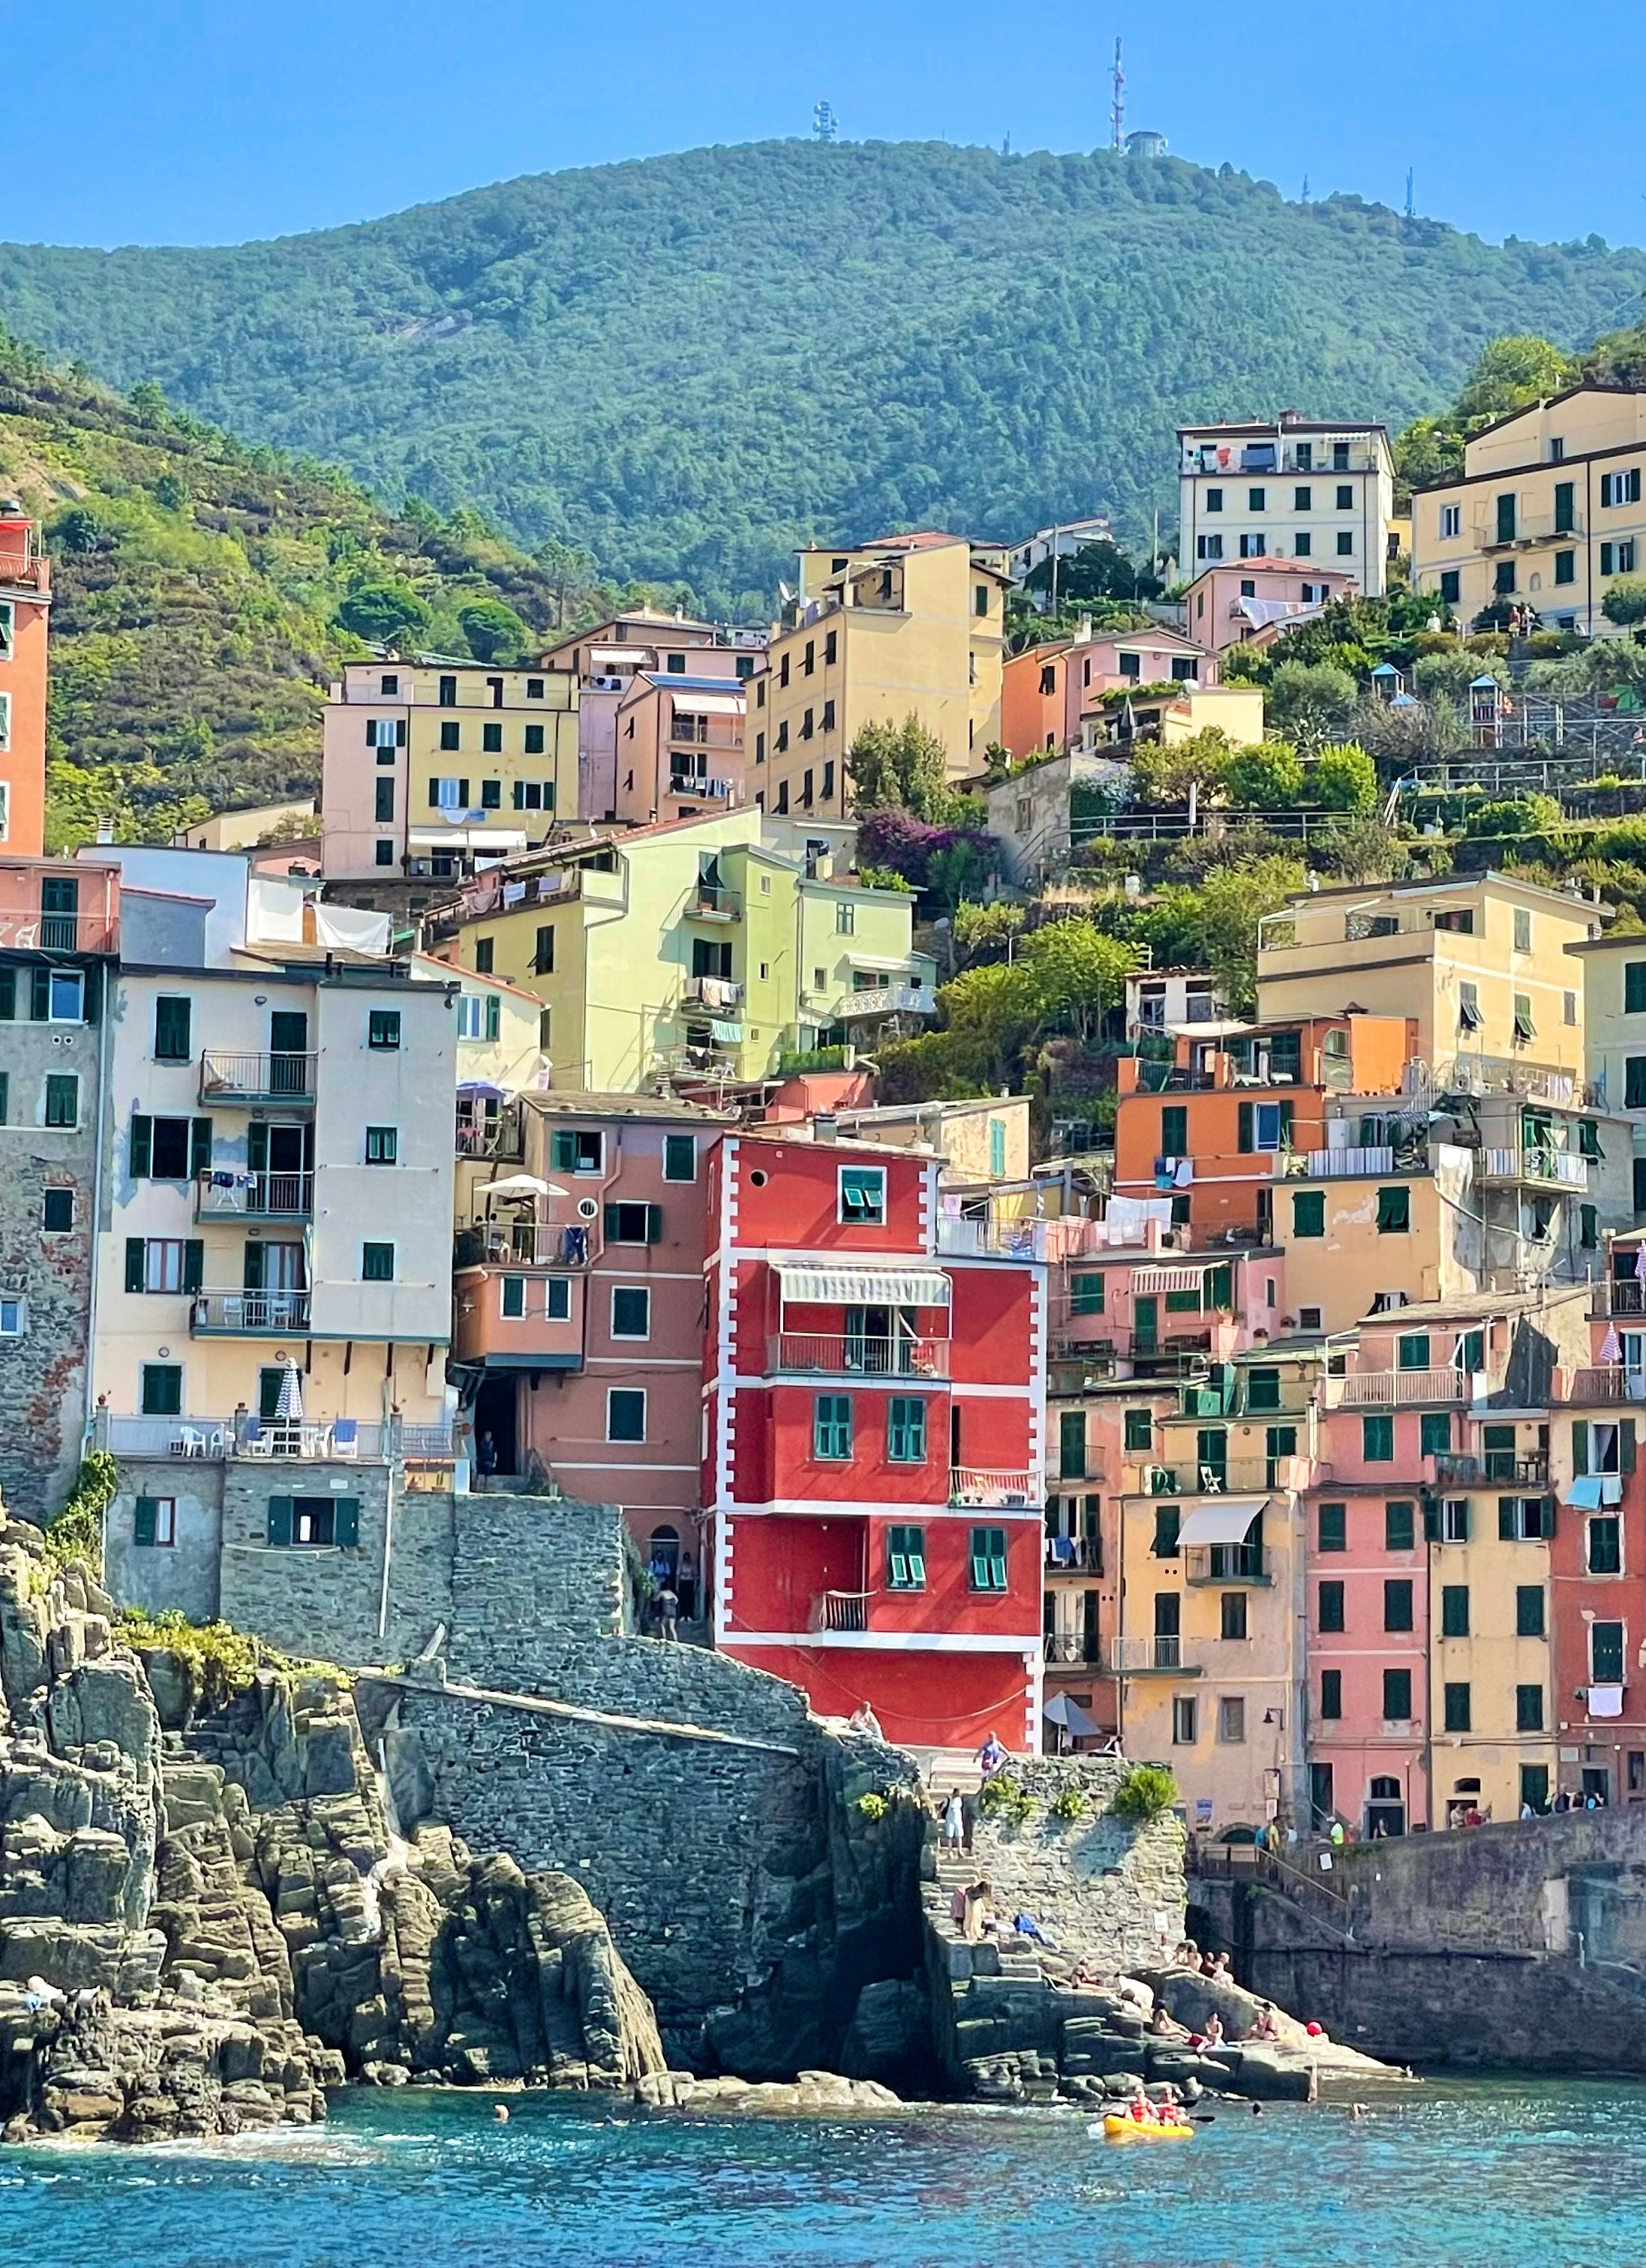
{"x": 1513, "y": 1469}
{"x": 324, "y": 1440}
{"x": 888, "y": 1000}
{"x": 839, "y": 1610}
{"x": 1074, "y": 1554}
{"x": 1232, "y": 1477}
{"x": 707, "y": 790}
{"x": 709, "y": 901}
{"x": 248, "y": 1314}
{"x": 1226, "y": 1563}
{"x": 1538, "y": 527}
{"x": 24, "y": 929}
{"x": 1602, "y": 1383}
{"x": 1553, "y": 1168}
{"x": 1616, "y": 1295}
{"x": 1009, "y": 1239}
{"x": 1143, "y": 1654}
{"x": 257, "y": 1077}
{"x": 716, "y": 993}
{"x": 975, "y": 1484}
{"x": 483, "y": 1134}
{"x": 1071, "y": 1647}
{"x": 229, "y": 1194}
{"x": 1393, "y": 1389}
{"x": 1333, "y": 1164}
{"x": 860, "y": 1357}
{"x": 526, "y": 1244}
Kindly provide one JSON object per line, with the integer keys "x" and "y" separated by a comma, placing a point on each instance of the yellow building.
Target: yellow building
{"x": 427, "y": 763}
{"x": 243, "y": 830}
{"x": 1478, "y": 965}
{"x": 697, "y": 945}
{"x": 1550, "y": 510}
{"x": 911, "y": 625}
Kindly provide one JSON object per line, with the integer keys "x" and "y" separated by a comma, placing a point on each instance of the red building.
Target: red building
{"x": 874, "y": 1440}
{"x": 25, "y": 601}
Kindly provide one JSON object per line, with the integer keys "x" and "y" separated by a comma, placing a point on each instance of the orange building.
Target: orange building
{"x": 1207, "y": 1126}
{"x": 25, "y": 602}
{"x": 1045, "y": 690}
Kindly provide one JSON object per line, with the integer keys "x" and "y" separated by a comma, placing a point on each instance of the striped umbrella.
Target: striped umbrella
{"x": 290, "y": 1405}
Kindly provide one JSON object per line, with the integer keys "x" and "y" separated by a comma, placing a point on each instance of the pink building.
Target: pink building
{"x": 1045, "y": 690}
{"x": 1227, "y": 602}
{"x": 678, "y": 746}
{"x": 578, "y": 1335}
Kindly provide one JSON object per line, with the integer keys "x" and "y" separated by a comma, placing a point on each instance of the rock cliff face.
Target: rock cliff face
{"x": 203, "y": 1927}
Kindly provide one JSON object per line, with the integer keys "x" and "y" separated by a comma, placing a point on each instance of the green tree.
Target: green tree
{"x": 1451, "y": 675}
{"x": 1096, "y": 570}
{"x": 384, "y": 610}
{"x": 78, "y": 529}
{"x": 1509, "y": 375}
{"x": 898, "y": 764}
{"x": 1625, "y": 603}
{"x": 1307, "y": 701}
{"x": 1213, "y": 924}
{"x": 1076, "y": 972}
{"x": 1343, "y": 778}
{"x": 492, "y": 631}
{"x": 956, "y": 871}
{"x": 1266, "y": 777}
{"x": 987, "y": 933}
{"x": 171, "y": 492}
{"x": 1164, "y": 771}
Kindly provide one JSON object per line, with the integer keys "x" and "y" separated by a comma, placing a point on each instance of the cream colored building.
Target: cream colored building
{"x": 1550, "y": 510}
{"x": 243, "y": 831}
{"x": 1316, "y": 491}
{"x": 1614, "y": 1027}
{"x": 278, "y": 1163}
{"x": 913, "y": 625}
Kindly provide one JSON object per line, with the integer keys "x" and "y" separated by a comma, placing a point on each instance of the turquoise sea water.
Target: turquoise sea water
{"x": 1494, "y": 2175}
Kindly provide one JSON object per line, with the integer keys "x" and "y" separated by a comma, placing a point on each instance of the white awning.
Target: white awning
{"x": 464, "y": 838}
{"x": 879, "y": 961}
{"x": 1225, "y": 1520}
{"x": 708, "y": 705}
{"x": 1166, "y": 1279}
{"x": 809, "y": 1282}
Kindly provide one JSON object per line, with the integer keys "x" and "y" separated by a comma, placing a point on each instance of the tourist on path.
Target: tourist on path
{"x": 954, "y": 1821}
{"x": 666, "y": 1606}
{"x": 485, "y": 1458}
{"x": 991, "y": 1756}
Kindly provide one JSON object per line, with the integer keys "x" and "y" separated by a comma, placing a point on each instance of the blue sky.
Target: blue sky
{"x": 213, "y": 120}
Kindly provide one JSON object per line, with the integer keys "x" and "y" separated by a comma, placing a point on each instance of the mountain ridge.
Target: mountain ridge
{"x": 692, "y": 363}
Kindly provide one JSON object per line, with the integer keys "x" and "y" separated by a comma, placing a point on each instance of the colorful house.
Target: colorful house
{"x": 25, "y": 611}
{"x": 1228, "y": 604}
{"x": 1314, "y": 490}
{"x": 1043, "y": 691}
{"x": 874, "y": 1441}
{"x": 679, "y": 746}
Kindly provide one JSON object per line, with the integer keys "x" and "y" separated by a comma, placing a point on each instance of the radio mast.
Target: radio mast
{"x": 1117, "y": 110}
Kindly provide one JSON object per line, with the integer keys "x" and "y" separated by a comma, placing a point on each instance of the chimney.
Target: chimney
{"x": 105, "y": 830}
{"x": 825, "y": 1126}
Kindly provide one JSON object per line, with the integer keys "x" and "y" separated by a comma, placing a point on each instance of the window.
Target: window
{"x": 1397, "y": 1604}
{"x": 1524, "y": 1028}
{"x": 1378, "y": 1440}
{"x": 1457, "y": 1716}
{"x": 13, "y": 1316}
{"x": 1529, "y": 1620}
{"x": 512, "y": 1299}
{"x": 1329, "y": 1614}
{"x": 1468, "y": 1006}
{"x": 862, "y": 1197}
{"x": 1345, "y": 543}
{"x": 572, "y": 1152}
{"x": 383, "y": 810}
{"x": 905, "y": 1559}
{"x": 1257, "y": 499}
{"x": 1434, "y": 1433}
{"x": 314, "y": 1522}
{"x": 535, "y": 688}
{"x": 1331, "y": 1693}
{"x": 832, "y": 1426}
{"x": 1454, "y": 1610}
{"x": 56, "y": 1212}
{"x": 1331, "y": 1527}
{"x": 1302, "y": 544}
{"x": 1450, "y": 521}
{"x": 1072, "y": 1445}
{"x": 1566, "y": 567}
{"x": 988, "y": 1558}
{"x": 1606, "y": 1653}
{"x": 844, "y": 917}
{"x": 377, "y": 1263}
{"x": 1174, "y": 1130}
{"x": 161, "y": 1393}
{"x": 1528, "y": 1708}
{"x": 1208, "y": 547}
{"x": 1400, "y": 1525}
{"x": 1049, "y": 678}
{"x": 625, "y": 1414}
{"x": 1589, "y": 1227}
{"x": 1309, "y": 1212}
{"x": 1620, "y": 488}
{"x": 1635, "y": 988}
{"x": 1183, "y": 1722}
{"x": 1214, "y": 500}
{"x": 1454, "y": 1520}
{"x": 1253, "y": 547}
{"x": 630, "y": 1223}
{"x": 490, "y": 796}
{"x": 154, "y": 1520}
{"x": 1168, "y": 1525}
{"x": 1411, "y": 1350}
{"x": 1634, "y": 1082}
{"x": 1139, "y": 1429}
{"x": 382, "y": 1029}
{"x": 1263, "y": 1389}
{"x": 1618, "y": 558}
{"x": 470, "y": 1015}
{"x": 557, "y": 1305}
{"x": 1394, "y": 1211}
{"x": 1302, "y": 499}
{"x": 679, "y": 1157}
{"x": 1606, "y": 1547}
{"x": 980, "y": 599}
{"x": 1233, "y": 1624}
{"x": 164, "y": 1263}
{"x": 1231, "y": 1713}
{"x": 1525, "y": 1519}
{"x": 1397, "y": 1696}
{"x": 451, "y": 740}
{"x": 905, "y": 1430}
{"x": 630, "y": 1312}
{"x": 382, "y": 1145}
{"x": 385, "y": 854}
{"x": 1263, "y": 1126}
{"x": 532, "y": 743}
{"x": 170, "y": 1027}
{"x": 448, "y": 693}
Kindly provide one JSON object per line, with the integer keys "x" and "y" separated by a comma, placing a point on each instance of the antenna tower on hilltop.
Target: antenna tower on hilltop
{"x": 1411, "y": 208}
{"x": 1117, "y": 108}
{"x": 825, "y": 125}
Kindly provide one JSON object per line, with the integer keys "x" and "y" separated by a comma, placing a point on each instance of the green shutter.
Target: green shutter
{"x": 1626, "y": 1445}
{"x": 1431, "y": 1520}
{"x": 654, "y": 1223}
{"x": 563, "y": 1151}
{"x": 5, "y": 1096}
{"x": 199, "y": 1146}
{"x": 135, "y": 1259}
{"x": 280, "y": 1519}
{"x": 611, "y": 1223}
{"x": 194, "y": 1263}
{"x": 346, "y": 1522}
{"x": 257, "y": 1147}
{"x": 1580, "y": 1446}
{"x": 140, "y": 1154}
{"x": 253, "y": 1277}
{"x": 143, "y": 1520}
{"x": 8, "y": 995}
{"x": 494, "y": 1016}
{"x": 1507, "y": 1527}
{"x": 1244, "y": 1138}
{"x": 171, "y": 1029}
{"x": 40, "y": 995}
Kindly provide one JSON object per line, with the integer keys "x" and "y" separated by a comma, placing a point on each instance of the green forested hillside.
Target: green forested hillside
{"x": 203, "y": 594}
{"x": 692, "y": 362}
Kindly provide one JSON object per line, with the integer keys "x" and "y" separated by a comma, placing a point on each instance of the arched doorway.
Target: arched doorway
{"x": 662, "y": 1555}
{"x": 1385, "y": 1808}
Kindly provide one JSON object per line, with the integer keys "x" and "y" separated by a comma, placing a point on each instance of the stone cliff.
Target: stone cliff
{"x": 204, "y": 1925}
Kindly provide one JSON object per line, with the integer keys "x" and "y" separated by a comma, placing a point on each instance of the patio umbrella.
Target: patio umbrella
{"x": 486, "y": 1088}
{"x": 289, "y": 1407}
{"x": 522, "y": 1185}
{"x": 1060, "y": 1709}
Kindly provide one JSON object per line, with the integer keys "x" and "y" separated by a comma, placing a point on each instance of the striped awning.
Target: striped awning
{"x": 811, "y": 1284}
{"x": 1225, "y": 1520}
{"x": 1166, "y": 1279}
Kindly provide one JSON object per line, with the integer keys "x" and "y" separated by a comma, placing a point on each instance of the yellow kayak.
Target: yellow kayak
{"x": 1131, "y": 2130}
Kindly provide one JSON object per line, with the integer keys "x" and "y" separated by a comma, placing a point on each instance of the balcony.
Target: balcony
{"x": 1618, "y": 1295}
{"x": 808, "y": 1353}
{"x": 975, "y": 1484}
{"x": 718, "y": 994}
{"x": 1396, "y": 1389}
{"x": 1561, "y": 1169}
{"x": 1141, "y": 1657}
{"x": 1005, "y": 1240}
{"x": 1071, "y": 1648}
{"x": 1074, "y": 1554}
{"x": 1603, "y": 1383}
{"x": 1227, "y": 1563}
{"x": 1530, "y": 528}
{"x": 25, "y": 929}
{"x": 248, "y": 1314}
{"x": 710, "y": 902}
{"x": 888, "y": 1000}
{"x": 706, "y": 790}
{"x": 245, "y": 1080}
{"x": 526, "y": 1244}
{"x": 484, "y": 1134}
{"x": 229, "y": 1194}
{"x": 1236, "y": 1476}
{"x": 336, "y": 1440}
{"x": 1511, "y": 1468}
{"x": 839, "y": 1611}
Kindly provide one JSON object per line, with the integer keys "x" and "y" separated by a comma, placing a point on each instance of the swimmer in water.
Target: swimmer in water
{"x": 500, "y": 2114}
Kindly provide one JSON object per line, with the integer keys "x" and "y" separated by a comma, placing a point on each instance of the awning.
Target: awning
{"x": 813, "y": 1284}
{"x": 1166, "y": 1279}
{"x": 1059, "y": 1710}
{"x": 880, "y": 964}
{"x": 709, "y": 704}
{"x": 1224, "y": 1521}
{"x": 464, "y": 838}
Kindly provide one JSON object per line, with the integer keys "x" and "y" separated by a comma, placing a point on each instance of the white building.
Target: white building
{"x": 1306, "y": 488}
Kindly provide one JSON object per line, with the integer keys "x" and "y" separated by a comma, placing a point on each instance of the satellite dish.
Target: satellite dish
{"x": 785, "y": 593}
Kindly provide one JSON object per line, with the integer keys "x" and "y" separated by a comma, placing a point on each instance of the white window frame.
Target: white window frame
{"x": 15, "y": 1304}
{"x": 1454, "y": 1520}
{"x": 844, "y": 917}
{"x": 624, "y": 1440}
{"x": 852, "y": 1219}
{"x": 470, "y": 1016}
{"x": 644, "y": 1290}
{"x": 443, "y": 800}
{"x": 1451, "y": 522}
{"x": 8, "y": 629}
{"x": 55, "y": 976}
{"x": 5, "y": 720}
{"x": 163, "y": 1265}
{"x": 164, "y": 1520}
